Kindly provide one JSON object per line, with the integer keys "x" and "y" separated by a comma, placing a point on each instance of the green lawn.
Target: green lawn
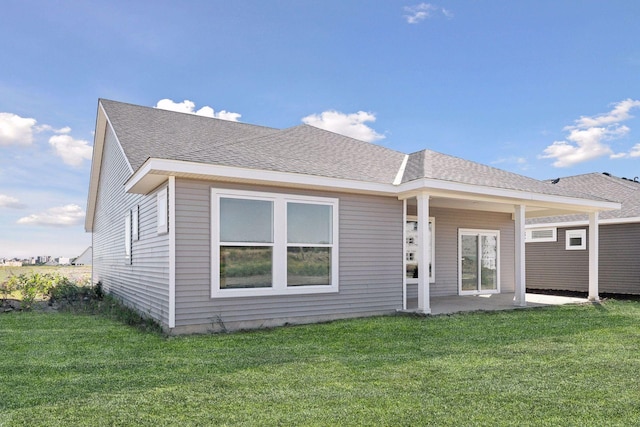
{"x": 568, "y": 366}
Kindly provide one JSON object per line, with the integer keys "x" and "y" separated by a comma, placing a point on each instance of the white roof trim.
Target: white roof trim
{"x": 400, "y": 174}
{"x": 99, "y": 139}
{"x": 567, "y": 224}
{"x": 155, "y": 171}
{"x": 514, "y": 196}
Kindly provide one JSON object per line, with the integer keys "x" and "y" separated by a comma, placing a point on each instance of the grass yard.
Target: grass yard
{"x": 568, "y": 366}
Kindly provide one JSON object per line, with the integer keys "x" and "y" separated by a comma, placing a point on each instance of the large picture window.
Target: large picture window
{"x": 270, "y": 244}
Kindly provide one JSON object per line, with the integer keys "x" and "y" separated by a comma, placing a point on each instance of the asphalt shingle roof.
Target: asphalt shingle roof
{"x": 145, "y": 132}
{"x": 431, "y": 164}
{"x": 624, "y": 191}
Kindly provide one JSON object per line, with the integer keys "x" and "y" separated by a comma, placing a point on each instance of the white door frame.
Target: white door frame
{"x": 479, "y": 233}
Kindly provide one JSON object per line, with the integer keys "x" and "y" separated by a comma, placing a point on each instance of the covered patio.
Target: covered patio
{"x": 490, "y": 302}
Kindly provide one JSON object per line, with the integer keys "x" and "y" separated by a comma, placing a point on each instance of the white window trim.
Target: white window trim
{"x": 529, "y": 238}
{"x": 581, "y": 233}
{"x": 162, "y": 208}
{"x": 279, "y": 270}
{"x": 479, "y": 232}
{"x": 432, "y": 274}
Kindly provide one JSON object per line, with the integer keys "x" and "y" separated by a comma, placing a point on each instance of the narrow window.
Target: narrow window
{"x": 127, "y": 237}
{"x": 162, "y": 211}
{"x": 135, "y": 223}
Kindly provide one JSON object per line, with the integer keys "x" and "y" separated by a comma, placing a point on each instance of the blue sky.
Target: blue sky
{"x": 541, "y": 88}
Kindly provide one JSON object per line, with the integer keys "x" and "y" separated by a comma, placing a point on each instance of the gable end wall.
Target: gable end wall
{"x": 144, "y": 283}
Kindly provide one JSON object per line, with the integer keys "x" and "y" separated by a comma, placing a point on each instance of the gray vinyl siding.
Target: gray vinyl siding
{"x": 550, "y": 266}
{"x": 447, "y": 224}
{"x": 370, "y": 263}
{"x": 143, "y": 283}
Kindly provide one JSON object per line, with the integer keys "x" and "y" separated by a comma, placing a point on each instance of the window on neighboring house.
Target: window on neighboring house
{"x": 267, "y": 244}
{"x": 162, "y": 211}
{"x": 547, "y": 234}
{"x": 576, "y": 239}
{"x": 127, "y": 237}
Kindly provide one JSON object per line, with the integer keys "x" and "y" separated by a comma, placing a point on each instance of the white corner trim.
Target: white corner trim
{"x": 400, "y": 174}
{"x": 172, "y": 252}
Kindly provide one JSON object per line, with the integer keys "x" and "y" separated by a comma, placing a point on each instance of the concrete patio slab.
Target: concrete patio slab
{"x": 492, "y": 302}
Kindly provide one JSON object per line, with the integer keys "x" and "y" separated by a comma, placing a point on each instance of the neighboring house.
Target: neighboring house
{"x": 205, "y": 224}
{"x": 85, "y": 258}
{"x": 557, "y": 248}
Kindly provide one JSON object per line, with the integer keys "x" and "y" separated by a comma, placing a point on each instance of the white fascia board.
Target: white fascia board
{"x": 437, "y": 187}
{"x": 568, "y": 224}
{"x": 96, "y": 162}
{"x": 154, "y": 171}
{"x": 99, "y": 139}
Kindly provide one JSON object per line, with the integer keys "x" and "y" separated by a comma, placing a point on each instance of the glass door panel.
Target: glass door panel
{"x": 489, "y": 263}
{"x": 469, "y": 262}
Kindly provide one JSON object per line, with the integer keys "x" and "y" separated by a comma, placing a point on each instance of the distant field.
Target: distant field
{"x": 77, "y": 273}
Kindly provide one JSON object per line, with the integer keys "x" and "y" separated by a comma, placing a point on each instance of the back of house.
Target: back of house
{"x": 206, "y": 225}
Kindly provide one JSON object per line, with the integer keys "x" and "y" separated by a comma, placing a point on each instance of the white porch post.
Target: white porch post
{"x": 594, "y": 237}
{"x": 521, "y": 286}
{"x": 424, "y": 253}
{"x": 404, "y": 254}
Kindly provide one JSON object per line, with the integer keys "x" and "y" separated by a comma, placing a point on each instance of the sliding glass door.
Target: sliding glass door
{"x": 478, "y": 270}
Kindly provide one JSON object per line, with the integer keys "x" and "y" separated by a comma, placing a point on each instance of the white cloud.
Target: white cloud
{"x": 61, "y": 216}
{"x": 422, "y": 11}
{"x": 189, "y": 107}
{"x": 352, "y": 125}
{"x": 47, "y": 128}
{"x": 72, "y": 151}
{"x": 16, "y": 130}
{"x": 10, "y": 202}
{"x": 619, "y": 114}
{"x": 587, "y": 139}
{"x": 635, "y": 151}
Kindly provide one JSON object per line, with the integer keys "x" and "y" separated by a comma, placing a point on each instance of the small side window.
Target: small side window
{"x": 541, "y": 235}
{"x": 162, "y": 211}
{"x": 576, "y": 240}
